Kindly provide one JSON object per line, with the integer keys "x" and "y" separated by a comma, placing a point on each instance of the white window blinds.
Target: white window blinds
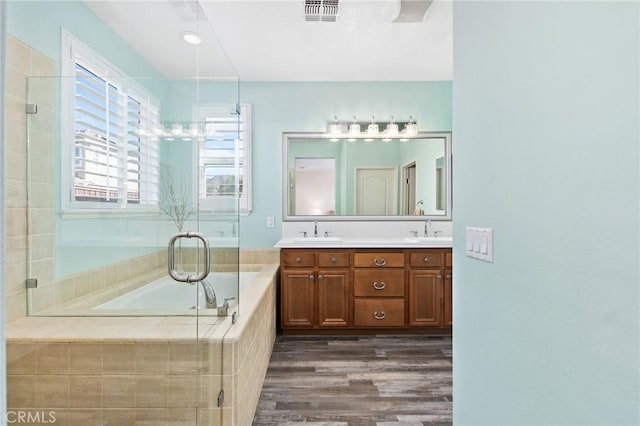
{"x": 115, "y": 155}
{"x": 224, "y": 161}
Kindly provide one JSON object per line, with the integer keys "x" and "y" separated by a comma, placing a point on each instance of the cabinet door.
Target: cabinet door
{"x": 425, "y": 298}
{"x": 297, "y": 298}
{"x": 333, "y": 298}
{"x": 448, "y": 298}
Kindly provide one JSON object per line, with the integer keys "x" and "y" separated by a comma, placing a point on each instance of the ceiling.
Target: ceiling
{"x": 269, "y": 40}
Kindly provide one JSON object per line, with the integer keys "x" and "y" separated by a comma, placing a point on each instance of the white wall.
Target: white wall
{"x": 546, "y": 117}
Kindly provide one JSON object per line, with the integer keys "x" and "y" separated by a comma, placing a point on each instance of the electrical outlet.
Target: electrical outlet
{"x": 271, "y": 222}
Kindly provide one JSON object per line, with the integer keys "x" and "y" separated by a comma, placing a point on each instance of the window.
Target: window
{"x": 110, "y": 158}
{"x": 224, "y": 163}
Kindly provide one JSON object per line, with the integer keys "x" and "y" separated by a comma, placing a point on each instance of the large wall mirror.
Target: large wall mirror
{"x": 366, "y": 179}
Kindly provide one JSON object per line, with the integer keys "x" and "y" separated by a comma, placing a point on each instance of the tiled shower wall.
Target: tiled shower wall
{"x": 22, "y": 62}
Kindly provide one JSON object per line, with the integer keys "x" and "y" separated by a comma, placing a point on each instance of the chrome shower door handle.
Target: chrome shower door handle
{"x": 171, "y": 258}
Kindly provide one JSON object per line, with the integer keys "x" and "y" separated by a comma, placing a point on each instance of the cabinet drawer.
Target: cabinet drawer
{"x": 379, "y": 312}
{"x": 378, "y": 260}
{"x": 333, "y": 259}
{"x": 380, "y": 283}
{"x": 426, "y": 259}
{"x": 295, "y": 259}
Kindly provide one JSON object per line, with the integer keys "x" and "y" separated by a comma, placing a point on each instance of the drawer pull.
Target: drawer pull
{"x": 380, "y": 262}
{"x": 380, "y": 286}
{"x": 298, "y": 259}
{"x": 379, "y": 316}
{"x": 311, "y": 277}
{"x": 427, "y": 259}
{"x": 334, "y": 260}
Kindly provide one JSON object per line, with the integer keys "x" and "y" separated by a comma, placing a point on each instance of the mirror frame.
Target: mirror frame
{"x": 286, "y": 217}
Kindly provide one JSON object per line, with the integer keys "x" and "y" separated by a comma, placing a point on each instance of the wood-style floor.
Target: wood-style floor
{"x": 357, "y": 380}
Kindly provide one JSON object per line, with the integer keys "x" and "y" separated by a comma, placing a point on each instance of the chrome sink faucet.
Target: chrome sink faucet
{"x": 427, "y": 225}
{"x": 315, "y": 229}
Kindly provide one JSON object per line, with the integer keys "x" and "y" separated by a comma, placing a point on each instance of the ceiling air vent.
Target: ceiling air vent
{"x": 321, "y": 10}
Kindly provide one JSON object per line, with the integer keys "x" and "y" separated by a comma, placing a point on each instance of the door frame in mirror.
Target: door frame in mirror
{"x": 286, "y": 136}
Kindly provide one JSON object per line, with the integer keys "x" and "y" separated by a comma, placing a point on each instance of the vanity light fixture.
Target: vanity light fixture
{"x": 191, "y": 37}
{"x": 374, "y": 130}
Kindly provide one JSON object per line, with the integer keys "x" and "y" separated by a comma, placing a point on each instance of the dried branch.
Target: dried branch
{"x": 176, "y": 202}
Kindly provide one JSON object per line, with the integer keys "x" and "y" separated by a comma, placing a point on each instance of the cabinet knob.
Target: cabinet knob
{"x": 311, "y": 277}
{"x": 380, "y": 286}
{"x": 379, "y": 316}
{"x": 439, "y": 277}
{"x": 298, "y": 259}
{"x": 320, "y": 277}
{"x": 334, "y": 260}
{"x": 448, "y": 276}
{"x": 380, "y": 262}
{"x": 427, "y": 259}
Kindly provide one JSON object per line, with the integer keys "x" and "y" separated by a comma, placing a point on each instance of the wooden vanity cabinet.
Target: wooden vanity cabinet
{"x": 298, "y": 298}
{"x": 379, "y": 289}
{"x": 297, "y": 281}
{"x": 365, "y": 290}
{"x": 426, "y": 288}
{"x": 315, "y": 288}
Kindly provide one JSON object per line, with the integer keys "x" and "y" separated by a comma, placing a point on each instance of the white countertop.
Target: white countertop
{"x": 337, "y": 242}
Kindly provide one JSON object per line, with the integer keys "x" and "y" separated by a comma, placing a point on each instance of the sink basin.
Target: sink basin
{"x": 317, "y": 239}
{"x": 428, "y": 239}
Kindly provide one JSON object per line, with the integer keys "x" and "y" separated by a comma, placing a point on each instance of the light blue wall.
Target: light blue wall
{"x": 300, "y": 106}
{"x": 39, "y": 24}
{"x": 546, "y": 153}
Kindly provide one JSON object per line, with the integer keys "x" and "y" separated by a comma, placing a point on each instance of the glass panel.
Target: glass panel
{"x": 113, "y": 175}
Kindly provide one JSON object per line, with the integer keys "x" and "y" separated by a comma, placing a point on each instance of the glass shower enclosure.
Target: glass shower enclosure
{"x": 134, "y": 178}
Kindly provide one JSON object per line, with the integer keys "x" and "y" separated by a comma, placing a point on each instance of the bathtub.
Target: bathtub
{"x": 167, "y": 294}
{"x": 164, "y": 342}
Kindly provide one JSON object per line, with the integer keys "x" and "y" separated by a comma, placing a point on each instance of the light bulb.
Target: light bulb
{"x": 354, "y": 128}
{"x": 411, "y": 128}
{"x": 392, "y": 128}
{"x": 372, "y": 128}
{"x": 335, "y": 128}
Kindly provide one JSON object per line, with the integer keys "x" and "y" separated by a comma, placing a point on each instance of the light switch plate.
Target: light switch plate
{"x": 480, "y": 243}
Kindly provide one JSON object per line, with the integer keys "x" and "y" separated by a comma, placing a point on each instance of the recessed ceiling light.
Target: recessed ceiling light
{"x": 191, "y": 37}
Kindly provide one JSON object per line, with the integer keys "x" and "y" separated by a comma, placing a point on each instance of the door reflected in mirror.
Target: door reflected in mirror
{"x": 312, "y": 198}
{"x": 363, "y": 179}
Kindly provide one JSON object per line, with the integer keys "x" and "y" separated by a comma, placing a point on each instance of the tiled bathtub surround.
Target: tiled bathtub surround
{"x": 83, "y": 290}
{"x": 145, "y": 370}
